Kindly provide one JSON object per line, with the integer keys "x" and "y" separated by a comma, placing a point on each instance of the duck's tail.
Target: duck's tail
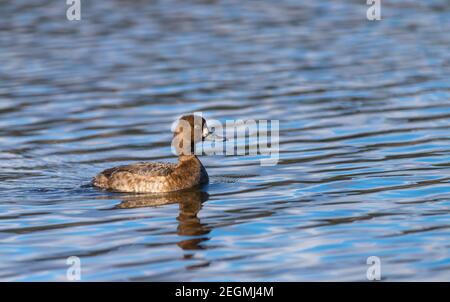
{"x": 100, "y": 181}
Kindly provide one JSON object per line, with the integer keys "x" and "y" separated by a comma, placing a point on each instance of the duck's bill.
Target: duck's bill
{"x": 214, "y": 137}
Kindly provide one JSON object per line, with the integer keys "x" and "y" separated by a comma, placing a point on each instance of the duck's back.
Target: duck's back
{"x": 140, "y": 177}
{"x": 151, "y": 177}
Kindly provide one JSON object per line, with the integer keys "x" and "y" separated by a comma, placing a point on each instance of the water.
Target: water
{"x": 364, "y": 115}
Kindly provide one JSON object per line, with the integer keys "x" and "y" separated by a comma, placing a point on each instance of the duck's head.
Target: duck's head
{"x": 189, "y": 130}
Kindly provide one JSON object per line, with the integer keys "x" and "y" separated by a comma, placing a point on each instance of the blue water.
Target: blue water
{"x": 364, "y": 111}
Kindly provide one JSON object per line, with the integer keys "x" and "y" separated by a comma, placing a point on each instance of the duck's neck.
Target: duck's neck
{"x": 187, "y": 158}
{"x": 189, "y": 166}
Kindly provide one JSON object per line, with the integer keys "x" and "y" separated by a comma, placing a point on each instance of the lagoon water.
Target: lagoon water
{"x": 364, "y": 113}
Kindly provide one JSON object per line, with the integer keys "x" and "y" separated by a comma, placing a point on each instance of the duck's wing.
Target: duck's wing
{"x": 144, "y": 169}
{"x": 141, "y": 169}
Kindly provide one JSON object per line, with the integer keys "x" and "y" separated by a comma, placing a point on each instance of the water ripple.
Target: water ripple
{"x": 364, "y": 116}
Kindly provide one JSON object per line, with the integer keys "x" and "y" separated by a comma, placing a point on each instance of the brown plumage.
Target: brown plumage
{"x": 163, "y": 177}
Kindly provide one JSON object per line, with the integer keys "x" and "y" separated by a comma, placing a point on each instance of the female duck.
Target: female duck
{"x": 163, "y": 177}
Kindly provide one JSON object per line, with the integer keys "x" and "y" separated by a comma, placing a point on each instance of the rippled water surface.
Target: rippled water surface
{"x": 364, "y": 111}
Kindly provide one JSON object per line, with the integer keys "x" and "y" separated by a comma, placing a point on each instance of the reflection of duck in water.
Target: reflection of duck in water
{"x": 164, "y": 177}
{"x": 190, "y": 203}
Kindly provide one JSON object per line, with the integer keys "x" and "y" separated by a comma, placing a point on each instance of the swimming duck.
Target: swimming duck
{"x": 164, "y": 177}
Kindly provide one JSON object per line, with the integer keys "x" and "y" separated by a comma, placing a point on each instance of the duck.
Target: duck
{"x": 157, "y": 177}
